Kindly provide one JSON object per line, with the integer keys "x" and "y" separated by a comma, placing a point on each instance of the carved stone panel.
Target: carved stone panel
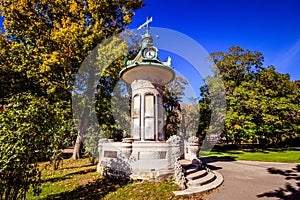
{"x": 110, "y": 154}
{"x": 152, "y": 155}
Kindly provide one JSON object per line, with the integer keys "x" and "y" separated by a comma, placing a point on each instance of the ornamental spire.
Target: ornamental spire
{"x": 146, "y": 24}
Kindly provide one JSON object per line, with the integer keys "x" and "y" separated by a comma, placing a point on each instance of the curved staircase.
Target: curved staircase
{"x": 199, "y": 178}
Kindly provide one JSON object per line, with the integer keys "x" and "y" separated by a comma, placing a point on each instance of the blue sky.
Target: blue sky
{"x": 271, "y": 27}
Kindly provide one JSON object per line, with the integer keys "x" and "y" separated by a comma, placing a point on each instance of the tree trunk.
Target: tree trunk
{"x": 77, "y": 148}
{"x": 82, "y": 129}
{"x": 56, "y": 160}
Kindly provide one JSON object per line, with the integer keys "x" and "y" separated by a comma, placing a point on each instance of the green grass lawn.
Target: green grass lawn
{"x": 289, "y": 155}
{"x": 78, "y": 179}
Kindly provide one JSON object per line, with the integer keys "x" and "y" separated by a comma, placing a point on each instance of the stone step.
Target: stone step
{"x": 191, "y": 168}
{"x": 185, "y": 162}
{"x": 202, "y": 181}
{"x": 200, "y": 189}
{"x": 196, "y": 175}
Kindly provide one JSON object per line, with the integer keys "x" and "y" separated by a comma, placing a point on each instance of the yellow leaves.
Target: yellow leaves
{"x": 101, "y": 21}
{"x": 68, "y": 33}
{"x": 127, "y": 18}
{"x": 44, "y": 68}
{"x": 74, "y": 7}
{"x": 55, "y": 36}
{"x": 50, "y": 60}
{"x": 111, "y": 50}
{"x": 55, "y": 56}
{"x": 236, "y": 126}
{"x": 57, "y": 25}
{"x": 51, "y": 90}
{"x": 66, "y": 21}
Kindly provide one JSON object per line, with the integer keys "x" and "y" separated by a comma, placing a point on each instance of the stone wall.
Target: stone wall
{"x": 138, "y": 159}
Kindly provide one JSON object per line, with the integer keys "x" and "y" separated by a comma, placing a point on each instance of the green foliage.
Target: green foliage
{"x": 262, "y": 104}
{"x": 172, "y": 96}
{"x": 107, "y": 61}
{"x": 205, "y": 112}
{"x": 189, "y": 122}
{"x": 42, "y": 48}
{"x": 27, "y": 127}
{"x": 107, "y": 89}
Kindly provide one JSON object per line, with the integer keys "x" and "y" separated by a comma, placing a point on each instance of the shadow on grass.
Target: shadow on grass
{"x": 264, "y": 151}
{"x": 242, "y": 151}
{"x": 253, "y": 148}
{"x": 283, "y": 149}
{"x": 67, "y": 176}
{"x": 234, "y": 152}
{"x": 93, "y": 190}
{"x": 73, "y": 167}
{"x": 288, "y": 192}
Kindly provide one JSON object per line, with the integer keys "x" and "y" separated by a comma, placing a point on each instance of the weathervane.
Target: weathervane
{"x": 145, "y": 24}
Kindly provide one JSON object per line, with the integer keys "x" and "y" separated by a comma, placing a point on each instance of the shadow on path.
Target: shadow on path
{"x": 288, "y": 192}
{"x": 213, "y": 159}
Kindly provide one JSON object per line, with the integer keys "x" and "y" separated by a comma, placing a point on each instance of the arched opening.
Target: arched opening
{"x": 149, "y": 117}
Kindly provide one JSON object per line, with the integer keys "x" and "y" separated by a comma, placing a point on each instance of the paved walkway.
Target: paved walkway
{"x": 247, "y": 180}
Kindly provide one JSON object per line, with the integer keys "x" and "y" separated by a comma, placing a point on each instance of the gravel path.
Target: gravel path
{"x": 247, "y": 180}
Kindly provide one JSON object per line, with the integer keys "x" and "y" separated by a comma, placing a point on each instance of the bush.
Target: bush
{"x": 30, "y": 129}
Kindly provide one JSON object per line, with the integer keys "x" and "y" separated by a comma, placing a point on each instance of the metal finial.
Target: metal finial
{"x": 145, "y": 24}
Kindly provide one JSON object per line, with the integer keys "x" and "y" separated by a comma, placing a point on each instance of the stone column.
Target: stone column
{"x": 156, "y": 117}
{"x": 142, "y": 117}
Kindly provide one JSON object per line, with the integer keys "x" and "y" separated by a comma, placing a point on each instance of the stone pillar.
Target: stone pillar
{"x": 160, "y": 113}
{"x": 142, "y": 116}
{"x": 156, "y": 117}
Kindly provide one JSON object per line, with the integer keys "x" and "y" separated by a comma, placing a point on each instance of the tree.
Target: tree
{"x": 172, "y": 96}
{"x": 205, "y": 112}
{"x": 261, "y": 102}
{"x": 42, "y": 48}
{"x": 28, "y": 128}
{"x": 237, "y": 65}
{"x": 99, "y": 90}
{"x": 189, "y": 118}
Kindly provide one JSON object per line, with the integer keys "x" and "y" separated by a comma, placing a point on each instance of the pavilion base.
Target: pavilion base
{"x": 144, "y": 160}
